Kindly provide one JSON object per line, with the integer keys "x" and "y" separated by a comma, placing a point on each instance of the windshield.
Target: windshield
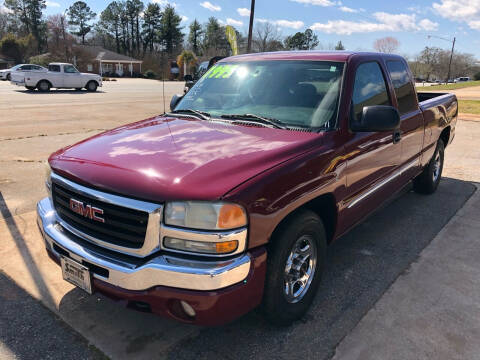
{"x": 297, "y": 93}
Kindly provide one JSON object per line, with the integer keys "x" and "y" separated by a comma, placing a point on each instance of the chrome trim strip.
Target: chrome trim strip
{"x": 207, "y": 236}
{"x": 151, "y": 243}
{"x": 382, "y": 183}
{"x": 106, "y": 197}
{"x": 164, "y": 270}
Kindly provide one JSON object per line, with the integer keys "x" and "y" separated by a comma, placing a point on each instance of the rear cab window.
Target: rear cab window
{"x": 54, "y": 68}
{"x": 369, "y": 88}
{"x": 402, "y": 82}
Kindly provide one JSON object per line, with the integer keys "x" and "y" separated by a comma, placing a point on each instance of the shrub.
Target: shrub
{"x": 150, "y": 74}
{"x": 477, "y": 76}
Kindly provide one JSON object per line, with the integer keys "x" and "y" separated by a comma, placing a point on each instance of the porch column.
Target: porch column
{"x": 131, "y": 69}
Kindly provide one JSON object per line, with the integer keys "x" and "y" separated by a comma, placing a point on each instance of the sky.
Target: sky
{"x": 357, "y": 24}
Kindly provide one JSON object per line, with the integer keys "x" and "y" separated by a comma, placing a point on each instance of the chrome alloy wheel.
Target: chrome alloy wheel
{"x": 300, "y": 269}
{"x": 437, "y": 166}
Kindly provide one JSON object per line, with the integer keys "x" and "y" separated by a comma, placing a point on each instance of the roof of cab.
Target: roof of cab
{"x": 304, "y": 55}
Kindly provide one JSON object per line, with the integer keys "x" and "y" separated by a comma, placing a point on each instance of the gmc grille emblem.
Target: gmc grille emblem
{"x": 87, "y": 211}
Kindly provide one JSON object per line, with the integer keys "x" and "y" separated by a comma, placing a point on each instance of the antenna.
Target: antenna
{"x": 163, "y": 83}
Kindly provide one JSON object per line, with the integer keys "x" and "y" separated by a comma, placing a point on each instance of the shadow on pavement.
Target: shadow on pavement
{"x": 28, "y": 330}
{"x": 23, "y": 249}
{"x": 75, "y": 92}
{"x": 361, "y": 267}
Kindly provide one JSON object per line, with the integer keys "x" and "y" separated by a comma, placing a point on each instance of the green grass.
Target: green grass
{"x": 448, "y": 86}
{"x": 469, "y": 106}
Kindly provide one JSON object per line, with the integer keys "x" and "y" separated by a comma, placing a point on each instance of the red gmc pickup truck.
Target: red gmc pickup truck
{"x": 230, "y": 200}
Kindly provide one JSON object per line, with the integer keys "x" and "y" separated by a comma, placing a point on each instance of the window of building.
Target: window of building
{"x": 89, "y": 67}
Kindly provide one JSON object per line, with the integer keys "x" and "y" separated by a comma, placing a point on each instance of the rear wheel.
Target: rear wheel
{"x": 43, "y": 86}
{"x": 92, "y": 86}
{"x": 295, "y": 264}
{"x": 427, "y": 182}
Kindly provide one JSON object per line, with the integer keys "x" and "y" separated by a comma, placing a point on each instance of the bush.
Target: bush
{"x": 150, "y": 74}
{"x": 477, "y": 76}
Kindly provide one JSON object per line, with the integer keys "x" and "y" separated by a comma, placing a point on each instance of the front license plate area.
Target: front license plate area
{"x": 76, "y": 274}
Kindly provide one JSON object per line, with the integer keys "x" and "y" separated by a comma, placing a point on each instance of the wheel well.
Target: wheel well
{"x": 325, "y": 207}
{"x": 445, "y": 136}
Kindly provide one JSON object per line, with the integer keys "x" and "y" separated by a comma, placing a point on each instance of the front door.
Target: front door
{"x": 72, "y": 78}
{"x": 373, "y": 158}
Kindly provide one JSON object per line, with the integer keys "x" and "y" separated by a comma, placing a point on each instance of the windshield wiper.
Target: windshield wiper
{"x": 257, "y": 119}
{"x": 201, "y": 114}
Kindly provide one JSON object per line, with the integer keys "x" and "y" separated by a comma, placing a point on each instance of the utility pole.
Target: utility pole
{"x": 451, "y": 54}
{"x": 450, "y": 62}
{"x": 250, "y": 29}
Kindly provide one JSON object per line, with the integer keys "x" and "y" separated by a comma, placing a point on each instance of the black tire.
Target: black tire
{"x": 9, "y": 77}
{"x": 280, "y": 308}
{"x": 30, "y": 88}
{"x": 92, "y": 86}
{"x": 44, "y": 86}
{"x": 427, "y": 182}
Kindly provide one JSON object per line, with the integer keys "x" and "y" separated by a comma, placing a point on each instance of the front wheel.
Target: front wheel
{"x": 9, "y": 77}
{"x": 294, "y": 268}
{"x": 92, "y": 86}
{"x": 427, "y": 182}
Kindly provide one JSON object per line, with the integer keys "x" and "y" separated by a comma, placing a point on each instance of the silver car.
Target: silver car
{"x": 7, "y": 73}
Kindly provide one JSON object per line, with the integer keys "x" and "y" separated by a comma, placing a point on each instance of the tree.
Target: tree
{"x": 134, "y": 8}
{"x": 302, "y": 41}
{"x": 80, "y": 15}
{"x": 186, "y": 59}
{"x": 110, "y": 22}
{"x": 18, "y": 49}
{"x": 29, "y": 13}
{"x": 215, "y": 40}
{"x": 152, "y": 25}
{"x": 194, "y": 37}
{"x": 267, "y": 38}
{"x": 388, "y": 45}
{"x": 171, "y": 31}
{"x": 339, "y": 46}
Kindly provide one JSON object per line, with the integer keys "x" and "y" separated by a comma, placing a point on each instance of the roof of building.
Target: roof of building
{"x": 6, "y": 59}
{"x": 101, "y": 54}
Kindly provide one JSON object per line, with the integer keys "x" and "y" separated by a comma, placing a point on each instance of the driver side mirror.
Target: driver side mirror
{"x": 377, "y": 118}
{"x": 188, "y": 78}
{"x": 175, "y": 100}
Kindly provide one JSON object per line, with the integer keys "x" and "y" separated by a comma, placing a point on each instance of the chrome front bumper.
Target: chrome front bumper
{"x": 162, "y": 270}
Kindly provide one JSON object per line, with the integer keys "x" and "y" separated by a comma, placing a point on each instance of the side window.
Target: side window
{"x": 69, "y": 69}
{"x": 54, "y": 68}
{"x": 369, "y": 88}
{"x": 402, "y": 82}
{"x": 25, "y": 67}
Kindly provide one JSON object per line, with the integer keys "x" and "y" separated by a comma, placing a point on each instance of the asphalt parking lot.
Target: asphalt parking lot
{"x": 362, "y": 265}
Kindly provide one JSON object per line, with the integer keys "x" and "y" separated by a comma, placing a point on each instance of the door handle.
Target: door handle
{"x": 397, "y": 136}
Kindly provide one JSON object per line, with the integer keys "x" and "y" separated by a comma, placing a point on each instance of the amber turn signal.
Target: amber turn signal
{"x": 231, "y": 216}
{"x": 226, "y": 247}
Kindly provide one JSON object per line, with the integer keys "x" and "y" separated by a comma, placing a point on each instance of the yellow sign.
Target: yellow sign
{"x": 232, "y": 38}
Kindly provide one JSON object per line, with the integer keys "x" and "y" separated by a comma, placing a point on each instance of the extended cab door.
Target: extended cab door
{"x": 72, "y": 77}
{"x": 411, "y": 117}
{"x": 373, "y": 158}
{"x": 55, "y": 75}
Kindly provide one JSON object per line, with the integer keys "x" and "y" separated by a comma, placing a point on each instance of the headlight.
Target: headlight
{"x": 205, "y": 215}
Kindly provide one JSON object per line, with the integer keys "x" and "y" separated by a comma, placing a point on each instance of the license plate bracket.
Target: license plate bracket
{"x": 76, "y": 274}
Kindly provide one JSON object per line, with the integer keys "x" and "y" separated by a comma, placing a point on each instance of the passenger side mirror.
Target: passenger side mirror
{"x": 175, "y": 100}
{"x": 188, "y": 78}
{"x": 376, "y": 119}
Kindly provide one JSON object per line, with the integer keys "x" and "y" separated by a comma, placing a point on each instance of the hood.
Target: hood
{"x": 162, "y": 159}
